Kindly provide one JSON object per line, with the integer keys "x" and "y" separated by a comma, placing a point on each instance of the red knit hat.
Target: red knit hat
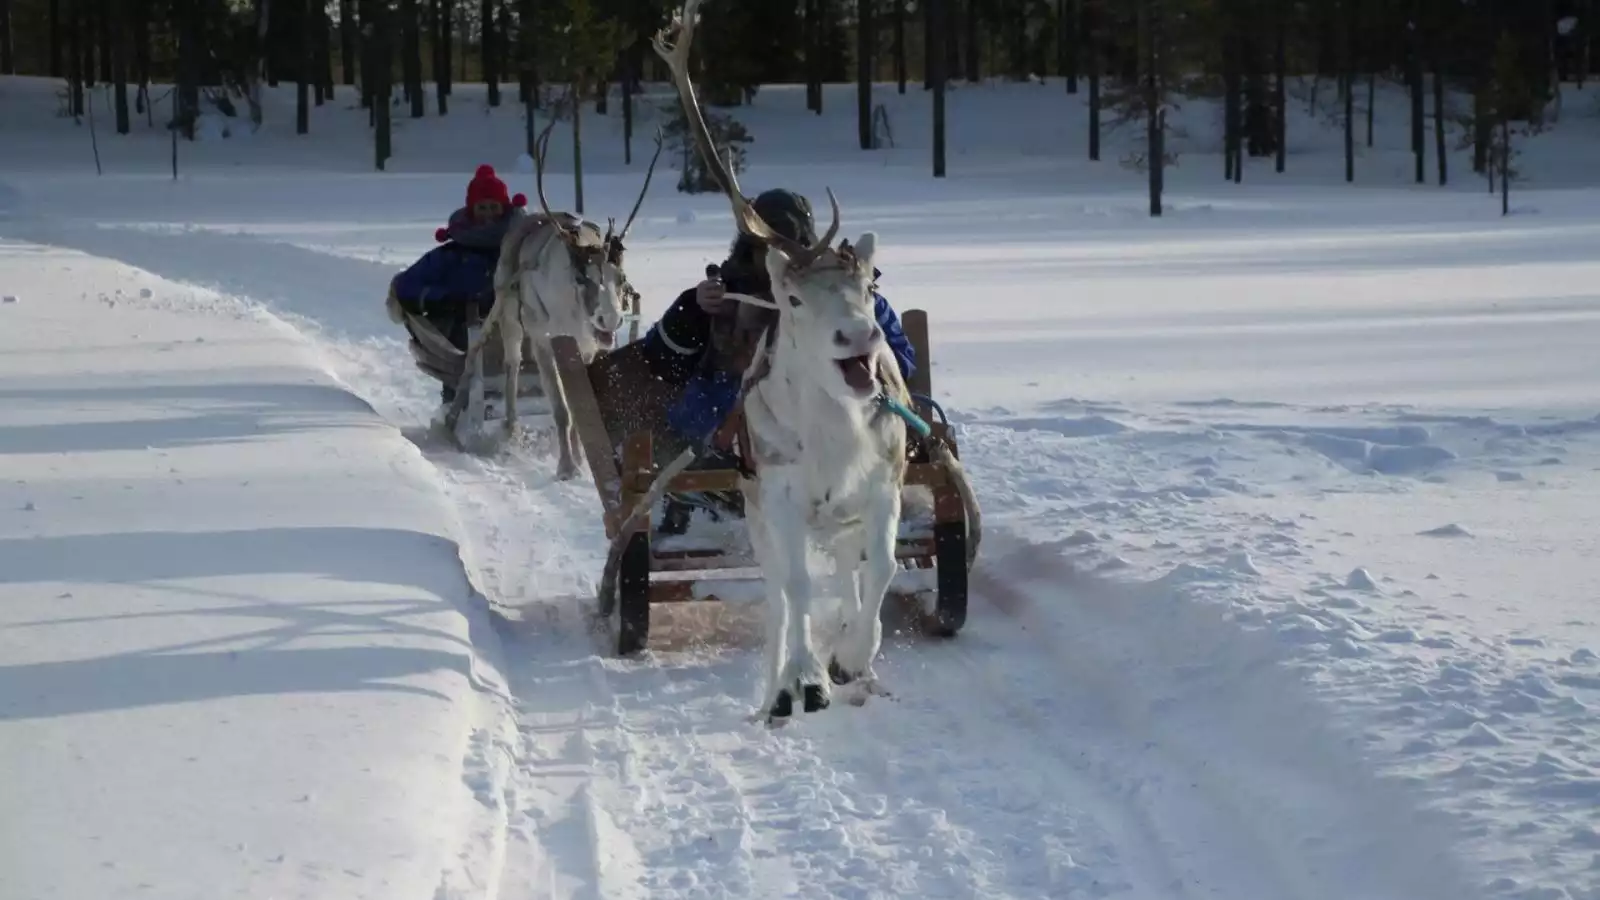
{"x": 485, "y": 185}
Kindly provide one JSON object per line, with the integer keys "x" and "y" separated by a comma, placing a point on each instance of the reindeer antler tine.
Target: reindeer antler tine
{"x": 540, "y": 144}
{"x": 833, "y": 228}
{"x": 644, "y": 190}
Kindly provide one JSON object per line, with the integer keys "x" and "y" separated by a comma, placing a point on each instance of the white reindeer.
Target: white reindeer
{"x": 828, "y": 452}
{"x": 556, "y": 275}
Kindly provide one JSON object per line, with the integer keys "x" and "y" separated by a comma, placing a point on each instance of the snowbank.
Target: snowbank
{"x": 234, "y": 630}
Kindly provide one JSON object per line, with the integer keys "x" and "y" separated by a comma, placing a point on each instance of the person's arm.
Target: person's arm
{"x": 685, "y": 328}
{"x": 420, "y": 283}
{"x": 904, "y": 352}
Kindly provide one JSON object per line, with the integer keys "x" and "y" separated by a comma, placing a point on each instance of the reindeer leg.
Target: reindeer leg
{"x": 459, "y": 401}
{"x": 846, "y": 552}
{"x": 511, "y": 334}
{"x": 545, "y": 355}
{"x": 864, "y": 630}
{"x": 789, "y": 589}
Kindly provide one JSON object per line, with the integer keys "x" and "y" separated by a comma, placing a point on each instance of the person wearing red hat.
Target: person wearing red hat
{"x": 440, "y": 285}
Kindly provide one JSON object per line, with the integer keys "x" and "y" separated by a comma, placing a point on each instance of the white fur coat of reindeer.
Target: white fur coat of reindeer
{"x": 556, "y": 274}
{"x": 829, "y": 456}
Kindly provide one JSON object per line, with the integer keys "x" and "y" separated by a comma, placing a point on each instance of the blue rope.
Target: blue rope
{"x": 933, "y": 405}
{"x": 921, "y": 427}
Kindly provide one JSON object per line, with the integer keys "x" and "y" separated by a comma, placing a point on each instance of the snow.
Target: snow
{"x": 1287, "y": 587}
{"x": 236, "y": 631}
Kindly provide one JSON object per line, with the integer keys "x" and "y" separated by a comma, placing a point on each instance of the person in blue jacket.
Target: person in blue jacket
{"x": 680, "y": 346}
{"x": 442, "y": 284}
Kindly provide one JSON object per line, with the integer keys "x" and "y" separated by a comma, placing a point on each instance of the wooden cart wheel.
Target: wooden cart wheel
{"x": 950, "y": 574}
{"x": 632, "y": 608}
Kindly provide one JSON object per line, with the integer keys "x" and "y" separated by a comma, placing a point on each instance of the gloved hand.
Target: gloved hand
{"x": 709, "y": 293}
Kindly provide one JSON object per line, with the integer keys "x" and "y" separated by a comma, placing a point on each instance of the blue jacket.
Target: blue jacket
{"x": 459, "y": 271}
{"x": 451, "y": 273}
{"x": 710, "y": 396}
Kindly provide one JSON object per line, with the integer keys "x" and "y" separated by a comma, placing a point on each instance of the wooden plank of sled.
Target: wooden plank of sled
{"x": 918, "y": 548}
{"x": 591, "y": 428}
{"x": 925, "y": 474}
{"x": 684, "y": 592}
{"x": 914, "y": 322}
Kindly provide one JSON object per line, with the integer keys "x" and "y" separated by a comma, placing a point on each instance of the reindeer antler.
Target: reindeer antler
{"x": 676, "y": 56}
{"x": 642, "y": 191}
{"x": 540, "y": 144}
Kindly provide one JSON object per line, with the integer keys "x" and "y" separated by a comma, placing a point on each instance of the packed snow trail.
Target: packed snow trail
{"x": 1078, "y": 738}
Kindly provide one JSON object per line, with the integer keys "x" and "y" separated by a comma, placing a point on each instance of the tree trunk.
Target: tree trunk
{"x": 973, "y": 43}
{"x": 525, "y": 51}
{"x": 865, "y": 31}
{"x": 118, "y": 28}
{"x": 808, "y": 40}
{"x": 55, "y": 39}
{"x": 577, "y": 146}
{"x": 1150, "y": 60}
{"x": 930, "y": 42}
{"x": 141, "y": 61}
{"x": 411, "y": 66}
{"x": 1347, "y": 78}
{"x": 1230, "y": 103}
{"x": 1092, "y": 61}
{"x": 8, "y": 60}
{"x": 190, "y": 34}
{"x": 1071, "y": 40}
{"x": 382, "y": 65}
{"x": 438, "y": 41}
{"x": 75, "y": 63}
{"x": 502, "y": 26}
{"x": 302, "y": 88}
{"x": 1438, "y": 122}
{"x": 83, "y": 47}
{"x": 935, "y": 12}
{"x": 900, "y": 43}
{"x": 1372, "y": 103}
{"x": 1505, "y": 166}
{"x": 102, "y": 18}
{"x": 1419, "y": 143}
{"x": 324, "y": 54}
{"x": 491, "y": 72}
{"x": 349, "y": 56}
{"x": 365, "y": 52}
{"x": 630, "y": 61}
{"x": 1280, "y": 90}
{"x": 447, "y": 49}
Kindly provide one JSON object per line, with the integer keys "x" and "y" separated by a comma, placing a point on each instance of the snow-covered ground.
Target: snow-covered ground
{"x": 1288, "y": 592}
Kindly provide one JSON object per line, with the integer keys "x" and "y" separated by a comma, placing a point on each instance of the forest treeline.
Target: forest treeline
{"x": 1132, "y": 57}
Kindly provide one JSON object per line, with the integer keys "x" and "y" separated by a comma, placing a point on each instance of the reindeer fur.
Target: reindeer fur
{"x": 538, "y": 296}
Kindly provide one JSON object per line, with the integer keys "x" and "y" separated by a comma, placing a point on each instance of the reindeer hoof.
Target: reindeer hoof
{"x": 782, "y": 707}
{"x": 837, "y": 674}
{"x": 815, "y": 697}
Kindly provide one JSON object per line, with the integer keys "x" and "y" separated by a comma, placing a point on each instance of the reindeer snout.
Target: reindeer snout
{"x": 860, "y": 339}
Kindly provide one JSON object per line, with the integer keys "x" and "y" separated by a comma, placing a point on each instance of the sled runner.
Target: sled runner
{"x": 616, "y": 411}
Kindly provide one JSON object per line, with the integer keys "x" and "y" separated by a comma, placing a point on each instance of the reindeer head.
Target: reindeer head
{"x": 823, "y": 294}
{"x": 601, "y": 282}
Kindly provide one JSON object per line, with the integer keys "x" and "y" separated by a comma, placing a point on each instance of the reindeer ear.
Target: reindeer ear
{"x": 865, "y": 246}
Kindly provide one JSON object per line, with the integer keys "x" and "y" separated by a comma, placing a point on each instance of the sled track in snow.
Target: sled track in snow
{"x": 1142, "y": 746}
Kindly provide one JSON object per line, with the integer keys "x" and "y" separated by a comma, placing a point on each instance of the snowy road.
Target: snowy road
{"x": 1140, "y": 706}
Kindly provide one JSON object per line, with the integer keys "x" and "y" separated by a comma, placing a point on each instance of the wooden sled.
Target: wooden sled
{"x": 611, "y": 402}
{"x": 443, "y": 361}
